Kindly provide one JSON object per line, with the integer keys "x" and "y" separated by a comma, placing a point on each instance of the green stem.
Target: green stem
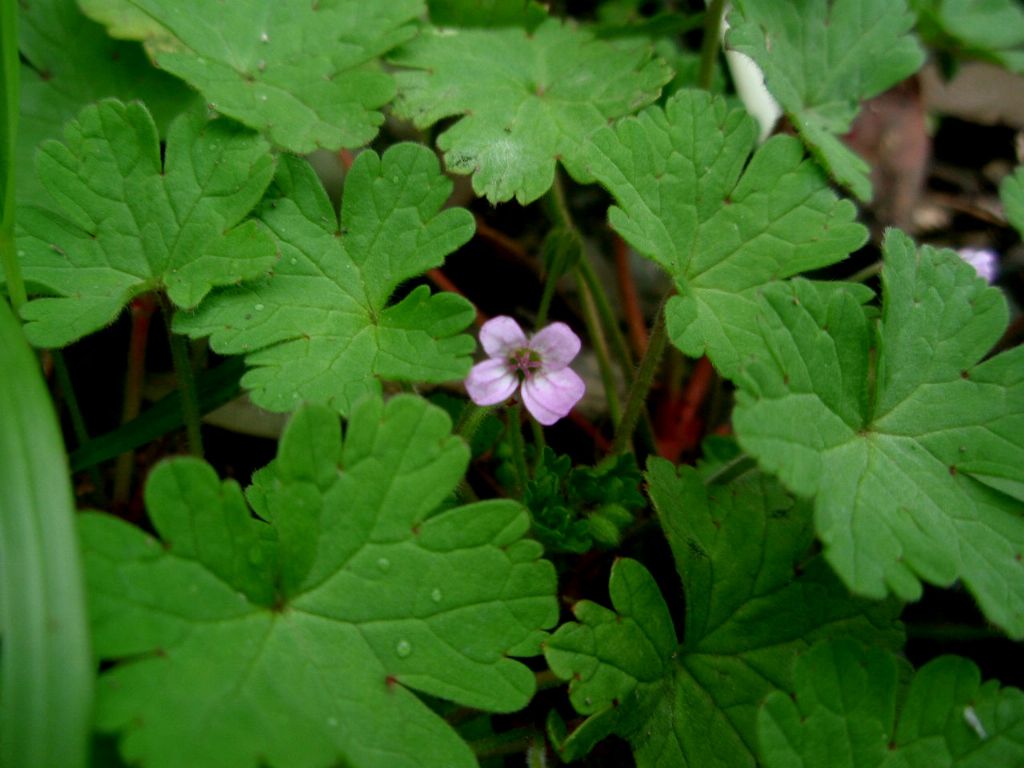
{"x": 60, "y": 368}
{"x": 470, "y": 419}
{"x": 641, "y": 386}
{"x": 557, "y": 206}
{"x": 952, "y": 632}
{"x": 538, "y": 445}
{"x": 8, "y": 137}
{"x": 597, "y": 312}
{"x": 736, "y": 466}
{"x": 604, "y": 308}
{"x": 867, "y": 273}
{"x": 547, "y": 679}
{"x": 550, "y": 282}
{"x": 537, "y": 754}
{"x": 508, "y": 743}
{"x": 710, "y": 43}
{"x": 597, "y": 338}
{"x": 186, "y": 380}
{"x": 515, "y": 439}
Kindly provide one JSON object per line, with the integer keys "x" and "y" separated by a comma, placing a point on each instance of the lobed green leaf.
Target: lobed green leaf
{"x": 128, "y": 222}
{"x": 320, "y": 328}
{"x": 820, "y": 59}
{"x": 70, "y": 62}
{"x": 915, "y": 463}
{"x": 722, "y": 223}
{"x": 754, "y": 601}
{"x": 296, "y": 640}
{"x": 524, "y": 100}
{"x": 990, "y": 30}
{"x": 306, "y": 74}
{"x": 852, "y": 709}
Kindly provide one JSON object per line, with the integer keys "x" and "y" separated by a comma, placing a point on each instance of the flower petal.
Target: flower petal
{"x": 550, "y": 396}
{"x": 501, "y": 336}
{"x": 984, "y": 261}
{"x": 491, "y": 382}
{"x": 557, "y": 345}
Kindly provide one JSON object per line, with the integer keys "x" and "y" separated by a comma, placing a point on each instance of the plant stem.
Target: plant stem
{"x": 60, "y": 368}
{"x": 186, "y": 380}
{"x": 597, "y": 311}
{"x": 604, "y": 309}
{"x": 641, "y": 386}
{"x": 538, "y": 446}
{"x": 556, "y": 270}
{"x": 142, "y": 309}
{"x": 597, "y": 338}
{"x": 952, "y": 632}
{"x": 710, "y": 43}
{"x": 537, "y": 754}
{"x": 515, "y": 439}
{"x": 736, "y": 466}
{"x": 630, "y": 301}
{"x": 507, "y": 743}
{"x": 470, "y": 419}
{"x": 8, "y": 135}
{"x": 867, "y": 273}
{"x": 548, "y": 679}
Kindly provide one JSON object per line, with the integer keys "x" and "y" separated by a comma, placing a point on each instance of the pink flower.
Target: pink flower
{"x": 540, "y": 364}
{"x": 984, "y": 261}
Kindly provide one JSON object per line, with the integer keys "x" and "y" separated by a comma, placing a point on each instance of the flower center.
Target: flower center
{"x": 525, "y": 361}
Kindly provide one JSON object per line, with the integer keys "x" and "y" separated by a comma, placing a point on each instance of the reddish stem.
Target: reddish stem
{"x": 630, "y": 301}
{"x": 686, "y": 424}
{"x": 442, "y": 281}
{"x": 142, "y": 309}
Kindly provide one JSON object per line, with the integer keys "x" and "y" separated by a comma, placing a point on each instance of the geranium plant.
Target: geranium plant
{"x": 524, "y": 398}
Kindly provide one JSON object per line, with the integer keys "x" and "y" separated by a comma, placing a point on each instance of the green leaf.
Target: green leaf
{"x": 129, "y": 223}
{"x": 320, "y": 328}
{"x": 721, "y": 223}
{"x": 903, "y": 477}
{"x": 308, "y": 74}
{"x": 297, "y": 642}
{"x": 754, "y": 601}
{"x": 1012, "y": 193}
{"x": 524, "y": 100}
{"x": 123, "y": 19}
{"x": 70, "y": 62}
{"x": 850, "y": 711}
{"x": 820, "y": 59}
{"x": 486, "y": 13}
{"x": 47, "y": 666}
{"x": 990, "y": 30}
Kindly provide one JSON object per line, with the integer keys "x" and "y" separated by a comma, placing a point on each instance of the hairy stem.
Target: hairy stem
{"x": 142, "y": 309}
{"x": 67, "y": 391}
{"x": 597, "y": 338}
{"x": 515, "y": 439}
{"x": 508, "y": 743}
{"x": 641, "y": 386}
{"x": 710, "y": 43}
{"x": 186, "y": 381}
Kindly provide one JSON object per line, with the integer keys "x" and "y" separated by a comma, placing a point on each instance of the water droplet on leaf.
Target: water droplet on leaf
{"x": 436, "y": 595}
{"x": 384, "y": 564}
{"x": 403, "y": 648}
{"x": 259, "y": 307}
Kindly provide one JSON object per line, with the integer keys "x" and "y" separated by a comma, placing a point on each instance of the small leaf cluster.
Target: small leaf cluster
{"x": 575, "y": 508}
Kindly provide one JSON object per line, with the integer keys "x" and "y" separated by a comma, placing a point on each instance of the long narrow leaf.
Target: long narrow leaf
{"x": 46, "y": 688}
